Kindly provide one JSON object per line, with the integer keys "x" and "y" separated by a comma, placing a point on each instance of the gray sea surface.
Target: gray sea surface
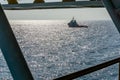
{"x": 52, "y": 49}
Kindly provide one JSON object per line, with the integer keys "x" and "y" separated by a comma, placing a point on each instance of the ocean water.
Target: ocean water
{"x": 52, "y": 49}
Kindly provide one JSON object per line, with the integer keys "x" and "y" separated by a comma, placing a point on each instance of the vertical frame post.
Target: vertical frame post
{"x": 11, "y": 51}
{"x": 119, "y": 71}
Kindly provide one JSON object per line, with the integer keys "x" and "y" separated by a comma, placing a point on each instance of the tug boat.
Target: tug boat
{"x": 73, "y": 23}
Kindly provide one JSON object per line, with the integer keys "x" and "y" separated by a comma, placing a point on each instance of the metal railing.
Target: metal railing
{"x": 12, "y": 52}
{"x": 52, "y": 5}
{"x": 90, "y": 70}
{"x": 111, "y": 9}
{"x": 20, "y": 70}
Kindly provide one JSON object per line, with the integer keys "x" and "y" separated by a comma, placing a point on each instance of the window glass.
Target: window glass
{"x": 4, "y": 70}
{"x": 53, "y": 49}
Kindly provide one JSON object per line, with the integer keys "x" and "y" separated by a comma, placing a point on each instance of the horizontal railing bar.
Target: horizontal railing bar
{"x": 51, "y": 5}
{"x": 89, "y": 70}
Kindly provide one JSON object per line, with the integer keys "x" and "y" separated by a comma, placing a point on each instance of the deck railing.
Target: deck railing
{"x": 53, "y": 5}
{"x": 20, "y": 70}
{"x": 90, "y": 70}
{"x": 116, "y": 20}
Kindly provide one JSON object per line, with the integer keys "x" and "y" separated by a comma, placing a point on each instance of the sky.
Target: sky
{"x": 57, "y": 14}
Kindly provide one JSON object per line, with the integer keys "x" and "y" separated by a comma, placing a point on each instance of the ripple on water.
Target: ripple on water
{"x": 52, "y": 49}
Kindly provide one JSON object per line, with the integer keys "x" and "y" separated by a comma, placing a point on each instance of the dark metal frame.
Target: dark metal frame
{"x": 90, "y": 70}
{"x": 53, "y": 5}
{"x": 15, "y": 59}
{"x": 116, "y": 19}
{"x": 11, "y": 51}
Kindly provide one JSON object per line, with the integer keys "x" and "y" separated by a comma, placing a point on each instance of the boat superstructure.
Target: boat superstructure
{"x": 73, "y": 23}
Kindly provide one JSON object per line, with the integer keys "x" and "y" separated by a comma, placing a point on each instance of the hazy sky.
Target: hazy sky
{"x": 59, "y": 14}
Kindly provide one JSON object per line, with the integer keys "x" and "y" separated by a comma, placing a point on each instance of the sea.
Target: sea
{"x": 53, "y": 49}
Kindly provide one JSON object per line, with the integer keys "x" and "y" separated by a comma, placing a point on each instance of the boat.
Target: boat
{"x": 73, "y": 23}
